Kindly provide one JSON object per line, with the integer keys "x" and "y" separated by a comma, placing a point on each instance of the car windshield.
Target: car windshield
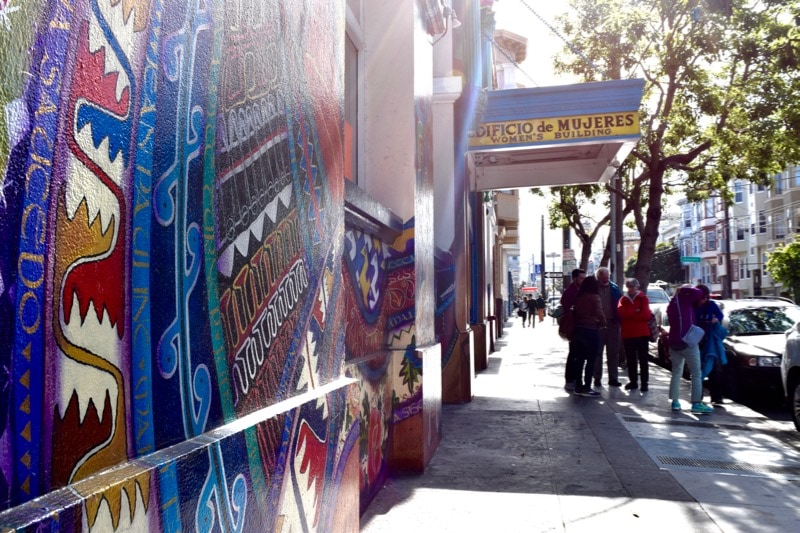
{"x": 762, "y": 320}
{"x": 657, "y": 296}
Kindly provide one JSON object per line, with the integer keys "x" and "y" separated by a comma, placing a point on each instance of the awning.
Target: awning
{"x": 551, "y": 136}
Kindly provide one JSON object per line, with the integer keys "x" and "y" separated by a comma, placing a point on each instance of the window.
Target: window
{"x": 741, "y": 227}
{"x": 752, "y": 223}
{"x": 778, "y": 183}
{"x": 796, "y": 181}
{"x": 709, "y": 208}
{"x": 687, "y": 219}
{"x": 738, "y": 192}
{"x": 711, "y": 240}
{"x": 714, "y": 274}
{"x": 735, "y": 272}
{"x": 762, "y": 221}
{"x": 353, "y": 89}
{"x": 779, "y": 230}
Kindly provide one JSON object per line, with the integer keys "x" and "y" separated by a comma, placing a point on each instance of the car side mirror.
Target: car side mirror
{"x": 797, "y": 327}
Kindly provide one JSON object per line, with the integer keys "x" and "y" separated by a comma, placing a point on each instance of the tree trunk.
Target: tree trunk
{"x": 647, "y": 245}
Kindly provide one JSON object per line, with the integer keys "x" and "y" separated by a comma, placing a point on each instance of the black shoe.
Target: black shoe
{"x": 631, "y": 386}
{"x": 614, "y": 384}
{"x": 645, "y": 388}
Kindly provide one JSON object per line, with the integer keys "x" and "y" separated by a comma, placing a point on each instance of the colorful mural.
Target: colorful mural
{"x": 172, "y": 224}
{"x": 380, "y": 294}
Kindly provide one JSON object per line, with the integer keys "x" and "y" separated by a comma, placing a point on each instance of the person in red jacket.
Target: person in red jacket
{"x": 634, "y": 312}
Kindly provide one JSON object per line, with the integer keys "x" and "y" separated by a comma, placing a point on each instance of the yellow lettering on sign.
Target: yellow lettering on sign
{"x": 540, "y": 130}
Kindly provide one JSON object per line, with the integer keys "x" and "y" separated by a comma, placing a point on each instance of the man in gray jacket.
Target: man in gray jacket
{"x": 610, "y": 337}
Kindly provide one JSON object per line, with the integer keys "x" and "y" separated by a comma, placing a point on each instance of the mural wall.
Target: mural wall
{"x": 172, "y": 239}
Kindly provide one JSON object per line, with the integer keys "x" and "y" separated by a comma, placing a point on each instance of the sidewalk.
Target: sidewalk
{"x": 526, "y": 456}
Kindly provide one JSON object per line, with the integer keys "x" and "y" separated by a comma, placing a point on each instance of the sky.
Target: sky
{"x": 543, "y": 44}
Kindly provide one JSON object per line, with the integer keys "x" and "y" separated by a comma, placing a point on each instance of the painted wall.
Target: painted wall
{"x": 170, "y": 266}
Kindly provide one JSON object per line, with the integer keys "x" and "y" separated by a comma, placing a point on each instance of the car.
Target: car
{"x": 659, "y": 299}
{"x": 754, "y": 346}
{"x": 790, "y": 372}
{"x": 552, "y": 303}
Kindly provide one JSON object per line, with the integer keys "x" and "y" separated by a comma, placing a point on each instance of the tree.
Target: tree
{"x": 666, "y": 264}
{"x": 783, "y": 265}
{"x": 567, "y": 211}
{"x": 720, "y": 96}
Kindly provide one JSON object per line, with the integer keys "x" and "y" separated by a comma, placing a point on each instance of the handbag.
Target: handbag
{"x": 693, "y": 336}
{"x": 654, "y": 331}
{"x": 566, "y": 324}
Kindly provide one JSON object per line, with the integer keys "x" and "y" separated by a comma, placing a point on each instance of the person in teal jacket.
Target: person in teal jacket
{"x": 712, "y": 351}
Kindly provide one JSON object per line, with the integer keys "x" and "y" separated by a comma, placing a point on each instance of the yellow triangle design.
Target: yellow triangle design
{"x": 25, "y": 406}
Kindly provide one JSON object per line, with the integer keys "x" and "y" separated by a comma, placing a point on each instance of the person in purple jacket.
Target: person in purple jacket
{"x": 681, "y": 315}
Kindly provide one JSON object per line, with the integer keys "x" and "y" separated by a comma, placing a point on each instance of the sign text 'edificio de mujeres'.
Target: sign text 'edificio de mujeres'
{"x": 583, "y": 127}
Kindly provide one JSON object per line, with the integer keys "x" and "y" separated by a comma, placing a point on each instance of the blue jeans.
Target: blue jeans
{"x": 691, "y": 356}
{"x": 586, "y": 344}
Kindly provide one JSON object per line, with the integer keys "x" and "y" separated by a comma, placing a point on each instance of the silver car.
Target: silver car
{"x": 659, "y": 299}
{"x": 790, "y": 372}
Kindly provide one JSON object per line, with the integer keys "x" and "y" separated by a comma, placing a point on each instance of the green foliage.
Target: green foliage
{"x": 720, "y": 100}
{"x": 630, "y": 266}
{"x": 667, "y": 264}
{"x": 783, "y": 265}
{"x": 410, "y": 373}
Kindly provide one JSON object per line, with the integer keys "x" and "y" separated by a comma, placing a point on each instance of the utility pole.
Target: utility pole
{"x": 728, "y": 290}
{"x": 567, "y": 276}
{"x": 544, "y": 288}
{"x": 618, "y": 256}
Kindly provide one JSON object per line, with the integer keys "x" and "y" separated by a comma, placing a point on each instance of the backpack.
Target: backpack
{"x": 566, "y": 324}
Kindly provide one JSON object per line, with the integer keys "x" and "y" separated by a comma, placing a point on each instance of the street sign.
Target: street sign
{"x": 690, "y": 259}
{"x": 553, "y": 275}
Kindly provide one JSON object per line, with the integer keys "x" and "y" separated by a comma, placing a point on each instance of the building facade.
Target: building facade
{"x": 715, "y": 244}
{"x": 246, "y": 251}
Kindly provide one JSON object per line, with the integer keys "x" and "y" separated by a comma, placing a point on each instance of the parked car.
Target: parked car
{"x": 659, "y": 299}
{"x": 552, "y": 303}
{"x": 790, "y": 372}
{"x": 756, "y": 339}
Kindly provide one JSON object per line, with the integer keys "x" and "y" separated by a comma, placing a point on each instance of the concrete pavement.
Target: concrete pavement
{"x": 527, "y": 456}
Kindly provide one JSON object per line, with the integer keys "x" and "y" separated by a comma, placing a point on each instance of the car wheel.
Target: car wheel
{"x": 794, "y": 402}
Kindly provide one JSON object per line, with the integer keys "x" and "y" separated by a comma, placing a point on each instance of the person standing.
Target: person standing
{"x": 522, "y": 310}
{"x": 540, "y": 305}
{"x": 589, "y": 320}
{"x": 709, "y": 317}
{"x": 531, "y": 312}
{"x": 567, "y": 301}
{"x": 633, "y": 310}
{"x": 681, "y": 315}
{"x": 610, "y": 336}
